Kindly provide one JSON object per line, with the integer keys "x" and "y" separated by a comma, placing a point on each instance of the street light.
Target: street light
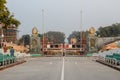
{"x": 2, "y": 35}
{"x": 1, "y": 25}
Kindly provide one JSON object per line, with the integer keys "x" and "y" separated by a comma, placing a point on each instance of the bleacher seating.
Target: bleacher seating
{"x": 6, "y": 59}
{"x": 113, "y": 59}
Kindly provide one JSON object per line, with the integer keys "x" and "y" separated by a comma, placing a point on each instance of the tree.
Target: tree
{"x": 5, "y": 17}
{"x": 40, "y": 35}
{"x": 109, "y": 31}
{"x": 20, "y": 41}
{"x": 74, "y": 34}
{"x": 25, "y": 39}
{"x": 77, "y": 35}
{"x": 55, "y": 37}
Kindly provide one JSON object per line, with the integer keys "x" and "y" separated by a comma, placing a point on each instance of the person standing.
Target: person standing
{"x": 12, "y": 51}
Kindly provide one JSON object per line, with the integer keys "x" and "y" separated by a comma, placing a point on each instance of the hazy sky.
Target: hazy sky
{"x": 64, "y": 15}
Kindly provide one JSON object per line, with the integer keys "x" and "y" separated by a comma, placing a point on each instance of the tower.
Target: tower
{"x": 35, "y": 47}
{"x": 92, "y": 40}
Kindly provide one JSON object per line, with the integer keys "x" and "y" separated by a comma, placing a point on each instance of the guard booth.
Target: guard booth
{"x": 54, "y": 49}
{"x": 74, "y": 49}
{"x": 65, "y": 49}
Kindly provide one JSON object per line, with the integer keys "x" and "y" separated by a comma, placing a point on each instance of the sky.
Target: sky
{"x": 64, "y": 15}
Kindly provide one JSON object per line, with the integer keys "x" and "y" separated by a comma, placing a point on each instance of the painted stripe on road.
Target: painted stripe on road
{"x": 75, "y": 62}
{"x": 50, "y": 63}
{"x": 62, "y": 72}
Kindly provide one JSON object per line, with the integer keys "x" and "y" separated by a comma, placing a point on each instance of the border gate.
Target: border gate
{"x": 64, "y": 50}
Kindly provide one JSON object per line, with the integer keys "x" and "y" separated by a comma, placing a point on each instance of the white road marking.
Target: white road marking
{"x": 75, "y": 62}
{"x": 50, "y": 63}
{"x": 62, "y": 72}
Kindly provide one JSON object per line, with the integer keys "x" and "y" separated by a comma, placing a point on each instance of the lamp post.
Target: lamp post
{"x": 1, "y": 25}
{"x": 43, "y": 29}
{"x": 81, "y": 43}
{"x": 2, "y": 37}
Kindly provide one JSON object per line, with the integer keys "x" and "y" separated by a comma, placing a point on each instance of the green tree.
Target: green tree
{"x": 40, "y": 35}
{"x": 55, "y": 37}
{"x": 20, "y": 41}
{"x": 25, "y": 39}
{"x": 5, "y": 17}
{"x": 77, "y": 35}
{"x": 74, "y": 34}
{"x": 109, "y": 31}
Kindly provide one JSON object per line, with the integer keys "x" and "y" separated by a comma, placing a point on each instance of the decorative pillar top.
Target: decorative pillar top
{"x": 34, "y": 31}
{"x": 92, "y": 31}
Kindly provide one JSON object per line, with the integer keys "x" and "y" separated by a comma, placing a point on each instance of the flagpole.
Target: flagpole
{"x": 81, "y": 28}
{"x": 43, "y": 27}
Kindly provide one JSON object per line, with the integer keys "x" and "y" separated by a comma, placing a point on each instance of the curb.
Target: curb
{"x": 11, "y": 65}
{"x": 109, "y": 65}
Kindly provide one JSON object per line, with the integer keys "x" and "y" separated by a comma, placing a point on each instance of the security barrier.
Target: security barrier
{"x": 113, "y": 59}
{"x": 6, "y": 60}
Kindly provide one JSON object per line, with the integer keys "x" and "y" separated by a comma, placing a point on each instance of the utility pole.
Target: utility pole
{"x": 81, "y": 29}
{"x": 43, "y": 27}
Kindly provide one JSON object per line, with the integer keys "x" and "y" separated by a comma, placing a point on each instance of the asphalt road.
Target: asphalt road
{"x": 59, "y": 68}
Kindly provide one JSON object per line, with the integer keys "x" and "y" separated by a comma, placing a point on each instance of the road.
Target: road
{"x": 60, "y": 68}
